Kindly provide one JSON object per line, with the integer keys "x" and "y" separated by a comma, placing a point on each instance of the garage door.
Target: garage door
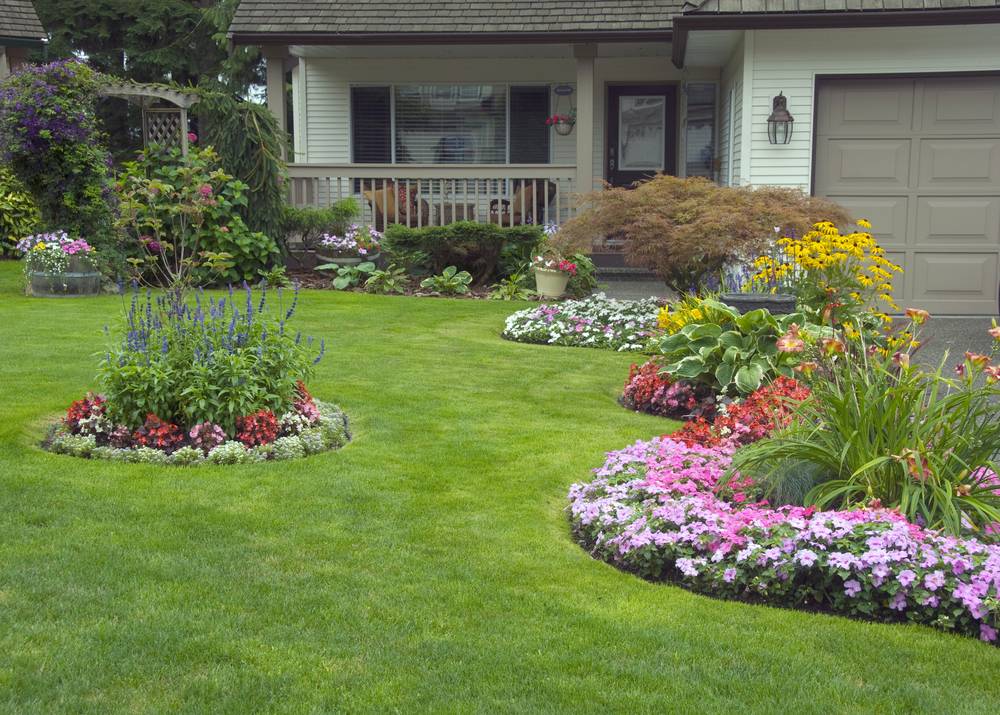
{"x": 920, "y": 158}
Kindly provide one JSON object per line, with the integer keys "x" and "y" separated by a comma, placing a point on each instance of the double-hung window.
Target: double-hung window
{"x": 450, "y": 124}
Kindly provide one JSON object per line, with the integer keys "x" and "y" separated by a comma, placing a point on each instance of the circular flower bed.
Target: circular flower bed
{"x": 213, "y": 380}
{"x": 308, "y": 428}
{"x": 656, "y": 509}
{"x": 594, "y": 322}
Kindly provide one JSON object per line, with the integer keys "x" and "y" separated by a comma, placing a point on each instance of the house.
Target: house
{"x": 20, "y": 31}
{"x": 437, "y": 110}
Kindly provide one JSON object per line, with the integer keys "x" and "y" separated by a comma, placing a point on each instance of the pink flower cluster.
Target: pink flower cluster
{"x": 664, "y": 510}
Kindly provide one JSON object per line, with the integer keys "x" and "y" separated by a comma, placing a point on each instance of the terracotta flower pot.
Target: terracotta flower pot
{"x": 551, "y": 283}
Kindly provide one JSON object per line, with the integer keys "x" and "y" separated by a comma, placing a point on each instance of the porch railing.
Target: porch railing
{"x": 433, "y": 195}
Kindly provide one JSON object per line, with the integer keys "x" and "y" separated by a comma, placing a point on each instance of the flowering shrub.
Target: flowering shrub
{"x": 207, "y": 360}
{"x": 355, "y": 241}
{"x": 181, "y": 216}
{"x": 259, "y": 428}
{"x": 746, "y": 421}
{"x": 656, "y": 509}
{"x": 838, "y": 276}
{"x": 595, "y": 322}
{"x": 646, "y": 390}
{"x": 51, "y": 252}
{"x": 49, "y": 136}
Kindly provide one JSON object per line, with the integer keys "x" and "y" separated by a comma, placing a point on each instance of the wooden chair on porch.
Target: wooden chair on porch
{"x": 394, "y": 204}
{"x": 527, "y": 205}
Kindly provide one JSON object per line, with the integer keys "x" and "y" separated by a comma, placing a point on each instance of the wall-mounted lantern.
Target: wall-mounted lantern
{"x": 779, "y": 124}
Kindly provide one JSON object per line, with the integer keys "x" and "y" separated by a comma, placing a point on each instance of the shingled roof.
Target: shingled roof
{"x": 470, "y": 17}
{"x": 18, "y": 21}
{"x": 801, "y": 6}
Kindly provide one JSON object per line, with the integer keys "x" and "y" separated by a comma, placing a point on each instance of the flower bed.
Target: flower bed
{"x": 216, "y": 380}
{"x": 656, "y": 509}
{"x": 594, "y": 322}
{"x": 309, "y": 428}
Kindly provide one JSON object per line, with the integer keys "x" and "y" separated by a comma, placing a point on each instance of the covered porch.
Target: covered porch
{"x": 433, "y": 133}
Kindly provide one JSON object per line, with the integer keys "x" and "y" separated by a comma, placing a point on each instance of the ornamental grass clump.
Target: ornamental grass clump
{"x": 878, "y": 428}
{"x": 661, "y": 509}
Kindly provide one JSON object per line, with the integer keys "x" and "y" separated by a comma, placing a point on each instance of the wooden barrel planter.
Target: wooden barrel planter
{"x": 79, "y": 279}
{"x": 775, "y": 303}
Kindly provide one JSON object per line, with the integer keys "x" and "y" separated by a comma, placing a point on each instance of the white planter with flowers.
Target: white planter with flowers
{"x": 552, "y": 275}
{"x": 358, "y": 244}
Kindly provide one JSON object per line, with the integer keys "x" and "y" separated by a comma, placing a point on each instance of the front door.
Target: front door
{"x": 642, "y": 132}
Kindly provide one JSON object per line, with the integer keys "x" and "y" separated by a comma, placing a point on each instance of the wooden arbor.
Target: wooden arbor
{"x": 164, "y": 111}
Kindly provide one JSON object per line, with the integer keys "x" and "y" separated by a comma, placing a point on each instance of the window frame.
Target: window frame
{"x": 392, "y": 115}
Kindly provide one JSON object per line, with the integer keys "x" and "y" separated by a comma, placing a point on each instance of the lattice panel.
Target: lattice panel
{"x": 162, "y": 127}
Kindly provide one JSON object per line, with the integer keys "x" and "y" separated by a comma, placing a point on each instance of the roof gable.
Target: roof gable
{"x": 18, "y": 20}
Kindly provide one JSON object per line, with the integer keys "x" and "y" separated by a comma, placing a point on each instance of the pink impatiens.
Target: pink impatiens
{"x": 657, "y": 508}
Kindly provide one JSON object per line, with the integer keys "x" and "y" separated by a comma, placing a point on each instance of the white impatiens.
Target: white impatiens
{"x": 594, "y": 322}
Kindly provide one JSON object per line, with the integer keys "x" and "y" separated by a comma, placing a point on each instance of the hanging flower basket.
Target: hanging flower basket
{"x": 562, "y": 123}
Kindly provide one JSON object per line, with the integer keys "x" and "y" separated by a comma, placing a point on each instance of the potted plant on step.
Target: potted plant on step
{"x": 552, "y": 274}
{"x": 358, "y": 244}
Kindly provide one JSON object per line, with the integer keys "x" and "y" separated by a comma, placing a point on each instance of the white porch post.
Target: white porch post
{"x": 585, "y": 93}
{"x": 276, "y": 97}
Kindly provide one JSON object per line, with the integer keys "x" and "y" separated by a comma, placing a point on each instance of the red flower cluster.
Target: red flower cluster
{"x": 90, "y": 406}
{"x": 158, "y": 434}
{"x": 259, "y": 428}
{"x": 558, "y": 119}
{"x": 762, "y": 412}
{"x": 567, "y": 267}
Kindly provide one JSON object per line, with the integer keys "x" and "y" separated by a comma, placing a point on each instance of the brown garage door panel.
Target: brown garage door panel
{"x": 958, "y": 221}
{"x": 872, "y": 108}
{"x": 960, "y": 106}
{"x": 920, "y": 157}
{"x": 955, "y": 282}
{"x": 873, "y": 164}
{"x": 957, "y": 164}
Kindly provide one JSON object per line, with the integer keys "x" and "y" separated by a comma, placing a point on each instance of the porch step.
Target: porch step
{"x": 625, "y": 273}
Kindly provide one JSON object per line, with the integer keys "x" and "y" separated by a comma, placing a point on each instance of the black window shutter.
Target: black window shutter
{"x": 529, "y": 135}
{"x": 370, "y": 125}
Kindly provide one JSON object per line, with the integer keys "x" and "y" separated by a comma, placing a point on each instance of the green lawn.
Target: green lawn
{"x": 425, "y": 567}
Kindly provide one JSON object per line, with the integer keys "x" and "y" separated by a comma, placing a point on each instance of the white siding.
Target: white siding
{"x": 730, "y": 118}
{"x": 789, "y": 61}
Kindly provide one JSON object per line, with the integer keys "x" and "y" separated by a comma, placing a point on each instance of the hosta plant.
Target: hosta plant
{"x": 348, "y": 276}
{"x": 391, "y": 279}
{"x": 735, "y": 355}
{"x": 450, "y": 281}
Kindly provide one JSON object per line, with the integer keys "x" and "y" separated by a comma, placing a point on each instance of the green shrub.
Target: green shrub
{"x": 736, "y": 355}
{"x": 584, "y": 281}
{"x": 19, "y": 217}
{"x": 309, "y": 224}
{"x": 210, "y": 360}
{"x": 467, "y": 245}
{"x": 176, "y": 208}
{"x": 450, "y": 281}
{"x": 878, "y": 429}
